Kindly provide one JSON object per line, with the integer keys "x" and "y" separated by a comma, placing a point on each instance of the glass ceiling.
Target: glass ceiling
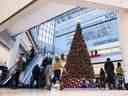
{"x": 87, "y": 17}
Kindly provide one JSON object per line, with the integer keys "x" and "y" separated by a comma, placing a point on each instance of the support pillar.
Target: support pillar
{"x": 13, "y": 53}
{"x": 123, "y": 36}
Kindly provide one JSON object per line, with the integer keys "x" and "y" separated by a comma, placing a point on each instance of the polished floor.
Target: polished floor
{"x": 65, "y": 92}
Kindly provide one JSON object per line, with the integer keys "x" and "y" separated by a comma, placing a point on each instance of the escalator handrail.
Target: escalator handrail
{"x": 11, "y": 73}
{"x": 31, "y": 63}
{"x": 5, "y": 81}
{"x": 30, "y": 72}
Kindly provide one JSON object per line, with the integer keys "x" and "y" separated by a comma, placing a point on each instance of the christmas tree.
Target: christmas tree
{"x": 78, "y": 63}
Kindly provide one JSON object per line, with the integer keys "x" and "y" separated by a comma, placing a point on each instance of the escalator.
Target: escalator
{"x": 27, "y": 74}
{"x": 9, "y": 78}
{"x": 24, "y": 75}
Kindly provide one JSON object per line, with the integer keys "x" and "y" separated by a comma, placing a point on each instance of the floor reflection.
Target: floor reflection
{"x": 65, "y": 92}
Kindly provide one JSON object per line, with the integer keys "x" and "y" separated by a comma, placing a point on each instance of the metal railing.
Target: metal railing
{"x": 10, "y": 74}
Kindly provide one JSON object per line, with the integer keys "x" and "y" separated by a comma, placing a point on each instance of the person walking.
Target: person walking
{"x": 109, "y": 70}
{"x": 35, "y": 76}
{"x": 63, "y": 62}
{"x": 102, "y": 78}
{"x": 119, "y": 75}
{"x": 57, "y": 68}
{"x": 19, "y": 69}
{"x": 47, "y": 69}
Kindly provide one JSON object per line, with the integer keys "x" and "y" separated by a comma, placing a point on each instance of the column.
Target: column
{"x": 123, "y": 37}
{"x": 13, "y": 53}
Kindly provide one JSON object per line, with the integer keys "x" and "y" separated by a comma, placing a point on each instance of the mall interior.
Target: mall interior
{"x": 64, "y": 47}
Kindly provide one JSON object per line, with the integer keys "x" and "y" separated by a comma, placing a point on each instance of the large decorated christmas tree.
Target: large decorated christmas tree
{"x": 78, "y": 63}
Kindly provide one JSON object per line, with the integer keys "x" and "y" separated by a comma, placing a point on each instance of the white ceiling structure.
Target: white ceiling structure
{"x": 8, "y": 7}
{"x": 42, "y": 10}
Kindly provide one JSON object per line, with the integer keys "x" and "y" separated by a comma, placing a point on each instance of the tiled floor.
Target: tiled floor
{"x": 65, "y": 92}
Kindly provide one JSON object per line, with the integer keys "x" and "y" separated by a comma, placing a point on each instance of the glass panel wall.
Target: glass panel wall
{"x": 99, "y": 28}
{"x": 43, "y": 34}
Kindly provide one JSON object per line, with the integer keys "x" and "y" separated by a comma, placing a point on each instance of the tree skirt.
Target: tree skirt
{"x": 72, "y": 83}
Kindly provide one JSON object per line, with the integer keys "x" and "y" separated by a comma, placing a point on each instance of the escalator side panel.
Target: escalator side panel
{"x": 26, "y": 75}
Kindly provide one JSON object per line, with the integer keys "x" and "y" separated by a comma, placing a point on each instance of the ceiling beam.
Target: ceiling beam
{"x": 103, "y": 4}
{"x": 18, "y": 11}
